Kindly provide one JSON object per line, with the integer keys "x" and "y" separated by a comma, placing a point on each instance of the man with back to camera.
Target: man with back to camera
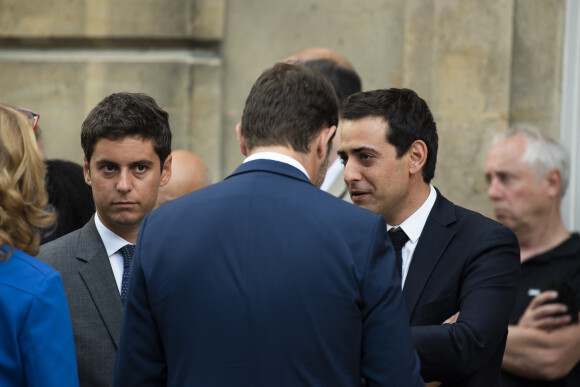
{"x": 275, "y": 283}
{"x": 345, "y": 81}
{"x": 453, "y": 262}
{"x": 126, "y": 142}
{"x": 528, "y": 172}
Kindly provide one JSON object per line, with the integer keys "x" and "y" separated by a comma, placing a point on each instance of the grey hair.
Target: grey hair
{"x": 543, "y": 153}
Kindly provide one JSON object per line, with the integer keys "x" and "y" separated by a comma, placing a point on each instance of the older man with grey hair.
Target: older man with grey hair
{"x": 527, "y": 173}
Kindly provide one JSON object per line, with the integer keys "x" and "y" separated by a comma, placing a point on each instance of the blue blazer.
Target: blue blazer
{"x": 463, "y": 262}
{"x": 36, "y": 348}
{"x": 264, "y": 280}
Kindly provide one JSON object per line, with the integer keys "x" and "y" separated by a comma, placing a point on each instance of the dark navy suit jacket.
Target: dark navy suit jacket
{"x": 463, "y": 262}
{"x": 264, "y": 280}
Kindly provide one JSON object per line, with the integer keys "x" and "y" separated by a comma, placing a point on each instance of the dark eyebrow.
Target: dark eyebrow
{"x": 142, "y": 162}
{"x": 100, "y": 163}
{"x": 358, "y": 150}
{"x": 364, "y": 149}
{"x": 147, "y": 163}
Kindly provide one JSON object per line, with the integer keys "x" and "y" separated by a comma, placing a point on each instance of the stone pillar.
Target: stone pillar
{"x": 61, "y": 58}
{"x": 459, "y": 57}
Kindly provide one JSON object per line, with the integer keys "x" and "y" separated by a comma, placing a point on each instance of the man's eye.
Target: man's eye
{"x": 108, "y": 168}
{"x": 365, "y": 156}
{"x": 140, "y": 168}
{"x": 505, "y": 178}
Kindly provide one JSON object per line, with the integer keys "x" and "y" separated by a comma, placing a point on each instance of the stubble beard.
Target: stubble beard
{"x": 323, "y": 168}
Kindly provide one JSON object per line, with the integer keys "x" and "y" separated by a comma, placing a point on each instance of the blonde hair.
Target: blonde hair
{"x": 22, "y": 191}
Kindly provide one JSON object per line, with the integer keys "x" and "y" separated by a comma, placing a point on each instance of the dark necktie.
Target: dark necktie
{"x": 398, "y": 238}
{"x": 127, "y": 252}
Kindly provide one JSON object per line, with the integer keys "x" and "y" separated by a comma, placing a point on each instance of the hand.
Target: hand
{"x": 452, "y": 319}
{"x": 540, "y": 314}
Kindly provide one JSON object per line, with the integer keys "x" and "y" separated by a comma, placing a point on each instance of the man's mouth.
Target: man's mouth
{"x": 499, "y": 212}
{"x": 124, "y": 204}
{"x": 357, "y": 194}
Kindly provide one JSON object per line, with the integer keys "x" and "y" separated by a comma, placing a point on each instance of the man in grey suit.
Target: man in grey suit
{"x": 126, "y": 142}
{"x": 345, "y": 81}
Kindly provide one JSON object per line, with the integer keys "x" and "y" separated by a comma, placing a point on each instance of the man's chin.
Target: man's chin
{"x": 362, "y": 202}
{"x": 127, "y": 220}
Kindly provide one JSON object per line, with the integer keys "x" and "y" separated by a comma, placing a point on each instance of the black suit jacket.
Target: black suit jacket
{"x": 468, "y": 263}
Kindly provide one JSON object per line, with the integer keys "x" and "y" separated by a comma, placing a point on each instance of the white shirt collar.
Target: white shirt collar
{"x": 331, "y": 174}
{"x": 278, "y": 157}
{"x": 112, "y": 241}
{"x": 414, "y": 224}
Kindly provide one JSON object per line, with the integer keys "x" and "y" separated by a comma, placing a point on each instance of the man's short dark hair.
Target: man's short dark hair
{"x": 288, "y": 105}
{"x": 127, "y": 114}
{"x": 407, "y": 116}
{"x": 345, "y": 81}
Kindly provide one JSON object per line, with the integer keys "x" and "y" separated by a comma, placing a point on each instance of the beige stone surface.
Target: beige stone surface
{"x": 64, "y": 88}
{"x": 480, "y": 65}
{"x": 205, "y": 118}
{"x": 537, "y": 64}
{"x": 198, "y": 19}
{"x": 260, "y": 33}
{"x": 469, "y": 66}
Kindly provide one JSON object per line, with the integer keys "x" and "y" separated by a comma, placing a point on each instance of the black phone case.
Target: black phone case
{"x": 568, "y": 296}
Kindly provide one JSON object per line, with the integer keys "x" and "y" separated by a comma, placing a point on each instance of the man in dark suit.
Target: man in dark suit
{"x": 453, "y": 262}
{"x": 126, "y": 142}
{"x": 263, "y": 279}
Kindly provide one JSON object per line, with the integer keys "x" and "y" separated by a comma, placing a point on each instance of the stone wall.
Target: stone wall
{"x": 60, "y": 58}
{"x": 480, "y": 65}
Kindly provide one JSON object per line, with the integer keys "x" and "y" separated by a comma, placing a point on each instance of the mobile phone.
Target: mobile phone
{"x": 568, "y": 296}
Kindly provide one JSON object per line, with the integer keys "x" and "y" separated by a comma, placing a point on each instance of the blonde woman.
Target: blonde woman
{"x": 36, "y": 348}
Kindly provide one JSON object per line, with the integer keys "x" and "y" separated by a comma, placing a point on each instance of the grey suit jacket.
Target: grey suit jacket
{"x": 93, "y": 299}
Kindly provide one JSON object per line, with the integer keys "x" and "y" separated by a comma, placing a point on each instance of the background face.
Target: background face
{"x": 518, "y": 198}
{"x": 377, "y": 180}
{"x": 125, "y": 176}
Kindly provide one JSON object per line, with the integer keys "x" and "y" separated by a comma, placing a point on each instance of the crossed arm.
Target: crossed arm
{"x": 542, "y": 346}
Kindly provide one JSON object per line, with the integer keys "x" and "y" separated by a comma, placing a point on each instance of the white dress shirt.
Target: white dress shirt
{"x": 278, "y": 157}
{"x": 112, "y": 243}
{"x": 413, "y": 227}
{"x": 331, "y": 174}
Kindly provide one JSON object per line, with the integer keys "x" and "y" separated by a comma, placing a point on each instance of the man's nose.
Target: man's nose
{"x": 124, "y": 181}
{"x": 493, "y": 189}
{"x": 351, "y": 173}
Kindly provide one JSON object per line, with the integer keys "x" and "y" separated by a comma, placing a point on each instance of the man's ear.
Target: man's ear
{"x": 325, "y": 141}
{"x": 417, "y": 154}
{"x": 241, "y": 140}
{"x": 166, "y": 171}
{"x": 86, "y": 170}
{"x": 554, "y": 180}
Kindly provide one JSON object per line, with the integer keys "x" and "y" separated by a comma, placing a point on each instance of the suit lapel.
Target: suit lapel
{"x": 433, "y": 241}
{"x": 100, "y": 281}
